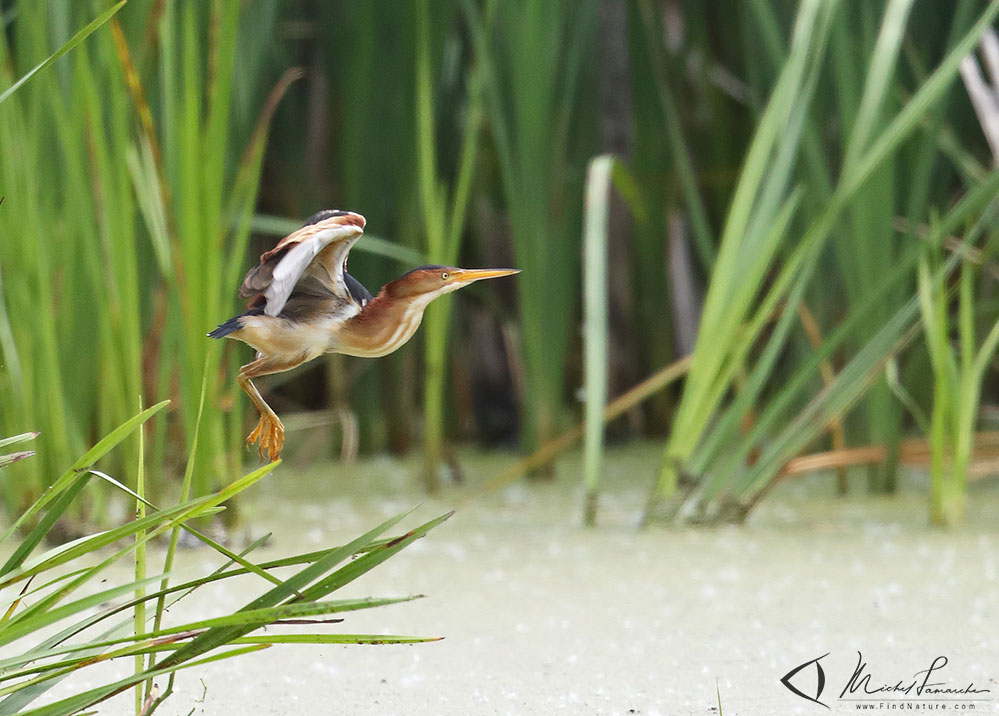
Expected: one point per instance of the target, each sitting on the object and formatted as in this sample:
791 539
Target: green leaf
103 446
73 42
73 704
374 639
218 636
13 457
23 437
36 535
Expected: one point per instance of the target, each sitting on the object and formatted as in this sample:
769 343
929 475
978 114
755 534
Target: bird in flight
303 303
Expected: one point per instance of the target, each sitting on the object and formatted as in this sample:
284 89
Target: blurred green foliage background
800 189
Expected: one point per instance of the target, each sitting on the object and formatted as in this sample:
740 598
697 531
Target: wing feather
316 253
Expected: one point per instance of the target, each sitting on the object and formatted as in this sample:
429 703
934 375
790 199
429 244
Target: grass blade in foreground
196 642
83 638
6 460
67 479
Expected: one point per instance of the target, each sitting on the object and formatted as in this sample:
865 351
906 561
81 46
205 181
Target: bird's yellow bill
465 275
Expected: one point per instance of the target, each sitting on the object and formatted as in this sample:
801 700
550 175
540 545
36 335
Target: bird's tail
233 324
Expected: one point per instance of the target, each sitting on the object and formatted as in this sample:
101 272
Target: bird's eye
444 276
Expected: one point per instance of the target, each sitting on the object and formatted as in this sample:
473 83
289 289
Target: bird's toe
265 441
277 440
269 436
255 434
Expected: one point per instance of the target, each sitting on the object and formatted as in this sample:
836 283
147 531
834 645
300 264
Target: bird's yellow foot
269 434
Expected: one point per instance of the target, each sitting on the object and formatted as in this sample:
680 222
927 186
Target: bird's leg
269 432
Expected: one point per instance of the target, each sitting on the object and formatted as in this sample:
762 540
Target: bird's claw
269 434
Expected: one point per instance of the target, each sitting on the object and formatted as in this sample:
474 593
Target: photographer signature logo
820 680
864 686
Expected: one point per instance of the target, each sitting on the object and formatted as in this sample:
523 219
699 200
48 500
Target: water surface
542 616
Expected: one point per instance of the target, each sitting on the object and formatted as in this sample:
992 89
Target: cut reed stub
6 460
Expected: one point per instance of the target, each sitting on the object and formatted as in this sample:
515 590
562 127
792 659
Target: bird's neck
383 325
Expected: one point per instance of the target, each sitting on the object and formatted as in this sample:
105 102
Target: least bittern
303 303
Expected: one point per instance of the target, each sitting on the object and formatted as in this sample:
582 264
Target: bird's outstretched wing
313 258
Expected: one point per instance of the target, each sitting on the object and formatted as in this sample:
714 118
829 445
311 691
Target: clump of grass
736 306
850 384
743 298
61 587
958 375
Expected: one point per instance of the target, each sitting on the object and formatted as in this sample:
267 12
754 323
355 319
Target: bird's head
428 282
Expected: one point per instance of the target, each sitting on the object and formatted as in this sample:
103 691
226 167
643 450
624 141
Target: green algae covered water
543 616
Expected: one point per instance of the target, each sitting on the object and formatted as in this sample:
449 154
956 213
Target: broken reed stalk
913 453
